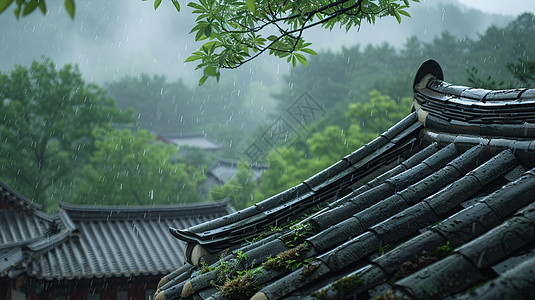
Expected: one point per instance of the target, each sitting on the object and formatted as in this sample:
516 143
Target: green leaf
42 6
199 35
209 47
203 80
301 58
196 6
157 3
176 4
398 17
5 4
208 30
31 6
272 38
193 58
69 6
250 5
309 51
404 13
210 70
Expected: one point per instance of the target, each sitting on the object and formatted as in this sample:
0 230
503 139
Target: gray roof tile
97 242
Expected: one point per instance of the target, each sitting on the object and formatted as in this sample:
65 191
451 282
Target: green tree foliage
524 71
237 32
380 113
221 111
287 167
483 82
158 105
234 32
47 116
240 189
290 166
134 169
336 80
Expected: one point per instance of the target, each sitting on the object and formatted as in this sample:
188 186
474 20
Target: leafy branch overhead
235 32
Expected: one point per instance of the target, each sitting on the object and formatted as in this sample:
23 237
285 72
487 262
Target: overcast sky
510 7
109 41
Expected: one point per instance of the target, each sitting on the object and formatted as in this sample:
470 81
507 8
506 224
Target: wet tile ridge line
387 188
400 126
198 239
361 221
428 151
403 166
490 114
477 94
413 193
317 196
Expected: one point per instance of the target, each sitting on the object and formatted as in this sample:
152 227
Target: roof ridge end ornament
428 70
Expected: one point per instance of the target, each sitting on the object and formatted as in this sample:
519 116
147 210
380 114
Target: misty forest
69 135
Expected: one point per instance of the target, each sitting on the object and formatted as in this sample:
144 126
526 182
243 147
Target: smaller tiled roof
12 198
191 140
95 242
225 170
22 223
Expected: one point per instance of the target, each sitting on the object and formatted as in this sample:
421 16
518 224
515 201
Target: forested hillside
339 78
365 90
65 140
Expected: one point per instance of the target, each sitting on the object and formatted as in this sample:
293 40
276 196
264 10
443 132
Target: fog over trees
86 133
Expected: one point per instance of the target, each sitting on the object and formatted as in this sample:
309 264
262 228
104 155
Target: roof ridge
23 200
461 109
85 212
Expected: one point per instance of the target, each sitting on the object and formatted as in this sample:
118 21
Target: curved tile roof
96 242
22 223
440 205
191 140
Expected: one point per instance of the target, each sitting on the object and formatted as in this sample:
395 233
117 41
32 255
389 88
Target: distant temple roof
440 205
94 242
191 140
225 170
